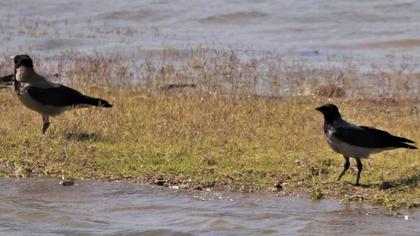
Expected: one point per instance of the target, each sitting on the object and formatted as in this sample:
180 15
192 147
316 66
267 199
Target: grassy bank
217 135
196 140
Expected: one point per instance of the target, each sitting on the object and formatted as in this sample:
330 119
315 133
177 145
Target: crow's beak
319 109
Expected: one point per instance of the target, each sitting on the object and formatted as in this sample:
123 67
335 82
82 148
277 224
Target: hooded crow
357 141
45 97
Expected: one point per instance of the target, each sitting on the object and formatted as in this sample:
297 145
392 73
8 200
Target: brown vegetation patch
330 91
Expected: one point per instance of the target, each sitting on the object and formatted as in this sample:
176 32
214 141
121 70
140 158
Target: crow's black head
23 60
330 112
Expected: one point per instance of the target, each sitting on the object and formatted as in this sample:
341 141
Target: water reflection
43 206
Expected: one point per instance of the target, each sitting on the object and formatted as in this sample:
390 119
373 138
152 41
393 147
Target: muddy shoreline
345 192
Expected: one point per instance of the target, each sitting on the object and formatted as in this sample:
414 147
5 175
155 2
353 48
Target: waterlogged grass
202 140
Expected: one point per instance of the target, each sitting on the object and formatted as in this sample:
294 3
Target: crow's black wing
384 133
56 96
363 136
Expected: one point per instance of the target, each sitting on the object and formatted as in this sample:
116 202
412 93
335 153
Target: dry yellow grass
218 135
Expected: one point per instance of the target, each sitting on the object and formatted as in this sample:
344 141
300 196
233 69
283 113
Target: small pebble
199 188
67 182
406 217
279 186
385 185
159 182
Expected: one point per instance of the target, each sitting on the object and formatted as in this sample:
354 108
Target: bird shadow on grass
82 136
410 181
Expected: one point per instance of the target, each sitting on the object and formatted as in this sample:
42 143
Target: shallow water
373 31
42 206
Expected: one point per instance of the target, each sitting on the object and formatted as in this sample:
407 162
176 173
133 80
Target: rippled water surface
43 207
377 31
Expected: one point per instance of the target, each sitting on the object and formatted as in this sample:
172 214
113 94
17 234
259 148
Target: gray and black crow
357 141
45 97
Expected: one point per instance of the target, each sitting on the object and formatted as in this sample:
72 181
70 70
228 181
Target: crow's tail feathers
404 145
403 142
96 102
7 79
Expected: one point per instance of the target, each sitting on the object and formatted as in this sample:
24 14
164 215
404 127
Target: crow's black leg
359 170
46 121
346 166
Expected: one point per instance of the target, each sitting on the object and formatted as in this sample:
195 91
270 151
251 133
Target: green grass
198 140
